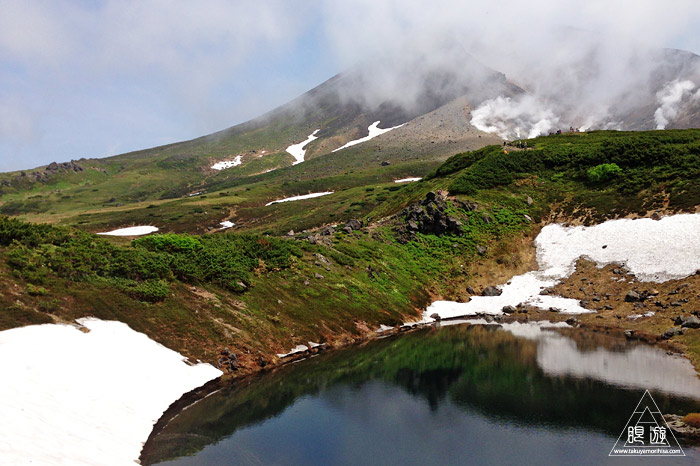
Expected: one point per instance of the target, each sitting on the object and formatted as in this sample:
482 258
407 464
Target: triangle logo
646 433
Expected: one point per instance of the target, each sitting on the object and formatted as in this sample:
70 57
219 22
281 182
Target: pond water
464 394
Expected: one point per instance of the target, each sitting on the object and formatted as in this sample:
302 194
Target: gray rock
573 321
470 290
487 219
529 201
319 276
347 230
509 309
353 224
322 259
632 296
435 316
328 231
691 322
290 233
491 291
672 332
481 250
629 334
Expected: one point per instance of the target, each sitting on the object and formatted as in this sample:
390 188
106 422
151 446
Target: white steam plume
526 117
670 99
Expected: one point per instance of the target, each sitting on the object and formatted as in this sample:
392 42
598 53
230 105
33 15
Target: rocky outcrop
352 225
433 215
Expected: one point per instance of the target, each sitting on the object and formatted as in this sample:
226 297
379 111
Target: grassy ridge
260 294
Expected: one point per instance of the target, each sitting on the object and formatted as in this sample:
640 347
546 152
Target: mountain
437 104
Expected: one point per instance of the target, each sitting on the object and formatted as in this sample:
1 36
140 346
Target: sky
95 78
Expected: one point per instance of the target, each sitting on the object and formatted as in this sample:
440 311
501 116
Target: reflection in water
627 365
457 395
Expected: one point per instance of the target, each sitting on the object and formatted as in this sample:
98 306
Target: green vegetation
603 172
144 269
258 292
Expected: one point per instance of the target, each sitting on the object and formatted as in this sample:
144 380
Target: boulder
691 322
632 296
435 316
354 224
322 259
491 291
672 332
508 309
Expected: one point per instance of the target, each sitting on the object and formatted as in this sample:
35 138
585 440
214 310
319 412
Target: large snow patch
652 250
299 198
131 231
298 151
228 163
373 131
75 398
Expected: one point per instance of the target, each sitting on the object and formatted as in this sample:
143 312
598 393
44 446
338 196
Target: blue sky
97 78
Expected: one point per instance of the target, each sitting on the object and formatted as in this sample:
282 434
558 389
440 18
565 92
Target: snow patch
295 350
226 224
297 150
384 328
408 180
69 397
131 231
653 250
299 198
638 316
373 131
228 163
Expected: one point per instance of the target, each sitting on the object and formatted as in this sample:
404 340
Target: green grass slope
258 293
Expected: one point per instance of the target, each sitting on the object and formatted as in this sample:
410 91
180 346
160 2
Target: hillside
431 104
258 291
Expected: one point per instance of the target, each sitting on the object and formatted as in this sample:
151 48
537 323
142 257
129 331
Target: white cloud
193 56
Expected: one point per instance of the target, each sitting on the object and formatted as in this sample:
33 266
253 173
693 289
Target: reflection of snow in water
299 198
652 250
636 366
297 150
373 131
69 397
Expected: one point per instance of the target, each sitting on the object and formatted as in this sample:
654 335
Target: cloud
207 65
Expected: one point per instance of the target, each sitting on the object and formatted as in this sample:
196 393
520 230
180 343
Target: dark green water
456 395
